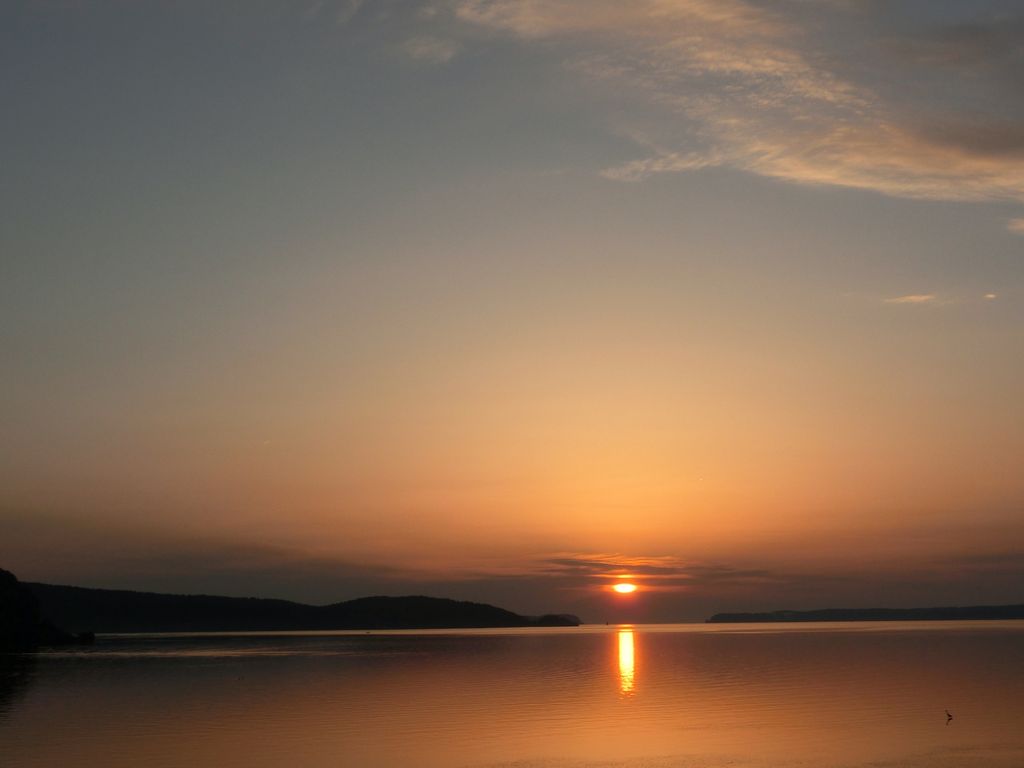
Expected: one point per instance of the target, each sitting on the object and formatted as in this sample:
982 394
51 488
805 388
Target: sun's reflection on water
627 661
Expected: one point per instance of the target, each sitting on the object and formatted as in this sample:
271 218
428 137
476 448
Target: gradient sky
498 299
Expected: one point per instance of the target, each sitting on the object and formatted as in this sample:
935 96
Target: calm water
653 696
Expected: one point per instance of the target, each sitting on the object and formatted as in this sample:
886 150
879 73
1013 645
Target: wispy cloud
666 162
1016 226
346 10
662 572
431 49
741 85
913 298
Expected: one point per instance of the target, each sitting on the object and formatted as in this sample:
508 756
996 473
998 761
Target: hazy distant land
962 613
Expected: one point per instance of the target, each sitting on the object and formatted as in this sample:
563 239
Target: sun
624 588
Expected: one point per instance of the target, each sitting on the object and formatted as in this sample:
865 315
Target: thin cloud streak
913 298
663 573
667 162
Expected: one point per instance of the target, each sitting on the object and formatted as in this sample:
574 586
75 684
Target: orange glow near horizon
461 369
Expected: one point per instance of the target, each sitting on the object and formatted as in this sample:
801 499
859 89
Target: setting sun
624 589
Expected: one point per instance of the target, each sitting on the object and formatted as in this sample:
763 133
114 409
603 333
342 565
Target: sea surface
652 696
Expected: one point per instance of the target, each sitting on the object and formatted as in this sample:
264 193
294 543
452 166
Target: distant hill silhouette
108 610
22 626
975 612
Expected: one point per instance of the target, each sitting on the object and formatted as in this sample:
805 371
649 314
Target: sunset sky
500 299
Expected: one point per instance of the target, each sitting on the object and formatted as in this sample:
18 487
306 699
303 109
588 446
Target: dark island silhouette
22 626
80 609
961 613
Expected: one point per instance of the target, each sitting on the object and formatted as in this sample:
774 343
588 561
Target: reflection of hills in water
16 672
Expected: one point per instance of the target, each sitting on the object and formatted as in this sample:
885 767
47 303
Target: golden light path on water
627 661
715 695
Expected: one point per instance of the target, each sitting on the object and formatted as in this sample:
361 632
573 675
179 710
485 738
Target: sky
503 300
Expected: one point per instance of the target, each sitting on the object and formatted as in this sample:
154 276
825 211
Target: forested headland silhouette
80 609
